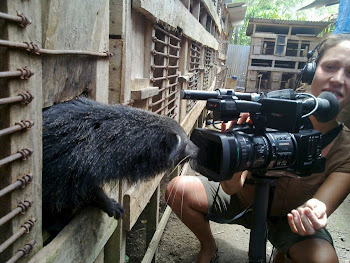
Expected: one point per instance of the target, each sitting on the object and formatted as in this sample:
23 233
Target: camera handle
264 189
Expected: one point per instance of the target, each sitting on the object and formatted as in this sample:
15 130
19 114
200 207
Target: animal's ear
176 148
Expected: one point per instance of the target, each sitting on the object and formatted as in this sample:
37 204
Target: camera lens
223 154
255 151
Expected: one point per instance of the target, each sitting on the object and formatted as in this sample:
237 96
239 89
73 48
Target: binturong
87 144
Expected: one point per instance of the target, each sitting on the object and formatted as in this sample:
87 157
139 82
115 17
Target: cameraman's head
333 68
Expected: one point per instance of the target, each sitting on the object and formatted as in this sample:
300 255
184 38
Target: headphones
308 72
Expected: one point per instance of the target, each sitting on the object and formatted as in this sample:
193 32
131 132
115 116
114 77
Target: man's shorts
227 207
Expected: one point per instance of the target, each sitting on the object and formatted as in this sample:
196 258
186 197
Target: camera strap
228 221
331 135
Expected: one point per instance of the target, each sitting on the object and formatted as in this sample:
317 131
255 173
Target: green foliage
280 9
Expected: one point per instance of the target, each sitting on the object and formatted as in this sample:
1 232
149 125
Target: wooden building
278 51
135 52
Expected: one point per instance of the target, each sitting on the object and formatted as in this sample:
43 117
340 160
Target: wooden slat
136 199
64 28
81 240
156 237
145 93
176 16
191 118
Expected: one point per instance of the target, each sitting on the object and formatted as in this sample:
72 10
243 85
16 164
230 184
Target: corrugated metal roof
319 3
277 26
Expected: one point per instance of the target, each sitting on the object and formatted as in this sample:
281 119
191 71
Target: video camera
277 139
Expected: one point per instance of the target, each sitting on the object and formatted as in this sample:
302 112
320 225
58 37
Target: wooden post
152 212
116 245
12 59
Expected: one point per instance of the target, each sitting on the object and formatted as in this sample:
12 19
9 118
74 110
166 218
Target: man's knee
186 190
313 250
175 190
169 188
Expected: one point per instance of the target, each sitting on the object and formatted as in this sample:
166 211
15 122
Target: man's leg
187 197
316 248
313 250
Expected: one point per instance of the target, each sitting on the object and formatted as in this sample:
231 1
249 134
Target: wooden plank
100 258
152 216
144 93
183 70
81 240
284 58
256 50
116 246
286 70
67 77
139 83
186 77
175 15
100 89
74 25
64 27
191 118
117 8
136 199
115 71
156 237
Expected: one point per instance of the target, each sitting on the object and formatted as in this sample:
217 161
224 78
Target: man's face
333 73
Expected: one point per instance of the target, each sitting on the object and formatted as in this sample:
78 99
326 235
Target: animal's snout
191 150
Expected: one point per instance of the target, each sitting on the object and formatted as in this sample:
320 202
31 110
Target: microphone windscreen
329 110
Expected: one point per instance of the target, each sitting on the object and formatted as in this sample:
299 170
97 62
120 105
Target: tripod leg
258 233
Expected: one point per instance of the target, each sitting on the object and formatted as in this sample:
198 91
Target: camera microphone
327 108
218 93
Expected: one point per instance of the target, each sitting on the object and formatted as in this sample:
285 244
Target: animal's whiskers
193 180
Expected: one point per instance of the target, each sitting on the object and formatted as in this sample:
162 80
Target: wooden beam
144 93
136 198
81 240
157 236
191 118
175 15
282 58
286 70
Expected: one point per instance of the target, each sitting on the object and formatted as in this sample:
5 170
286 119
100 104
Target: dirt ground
179 245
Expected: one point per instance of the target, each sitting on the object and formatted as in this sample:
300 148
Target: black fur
87 144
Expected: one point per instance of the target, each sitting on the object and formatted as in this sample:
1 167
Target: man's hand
236 183
308 218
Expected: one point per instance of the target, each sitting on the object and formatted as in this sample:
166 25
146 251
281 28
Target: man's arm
312 216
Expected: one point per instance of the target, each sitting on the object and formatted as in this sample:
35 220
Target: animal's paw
114 209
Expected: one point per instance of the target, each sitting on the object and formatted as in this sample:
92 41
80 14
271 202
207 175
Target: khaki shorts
227 207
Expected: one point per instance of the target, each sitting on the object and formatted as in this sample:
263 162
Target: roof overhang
306 28
237 13
320 3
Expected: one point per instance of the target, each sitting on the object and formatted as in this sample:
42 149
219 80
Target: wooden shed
134 52
278 51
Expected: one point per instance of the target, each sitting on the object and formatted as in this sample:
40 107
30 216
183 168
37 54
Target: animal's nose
191 149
